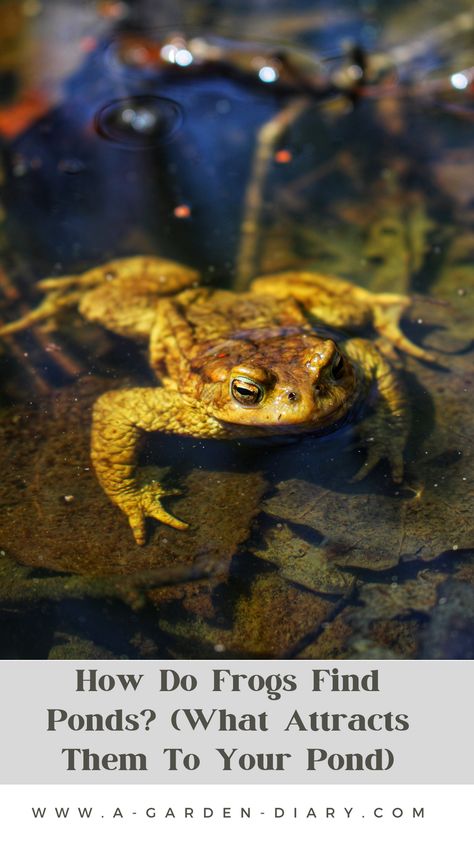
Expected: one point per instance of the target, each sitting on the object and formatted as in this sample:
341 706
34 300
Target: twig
267 138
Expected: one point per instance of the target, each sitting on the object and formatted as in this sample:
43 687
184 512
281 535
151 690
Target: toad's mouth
317 423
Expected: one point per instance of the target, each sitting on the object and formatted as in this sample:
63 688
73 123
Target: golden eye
337 368
246 391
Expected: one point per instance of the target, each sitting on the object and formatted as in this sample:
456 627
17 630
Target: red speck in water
224 354
139 52
283 156
182 212
112 10
15 118
88 44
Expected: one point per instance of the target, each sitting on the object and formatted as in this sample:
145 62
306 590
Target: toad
285 357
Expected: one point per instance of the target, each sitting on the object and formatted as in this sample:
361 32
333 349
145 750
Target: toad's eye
246 391
337 368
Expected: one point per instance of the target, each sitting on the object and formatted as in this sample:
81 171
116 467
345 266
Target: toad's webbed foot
387 310
381 441
144 501
384 431
52 304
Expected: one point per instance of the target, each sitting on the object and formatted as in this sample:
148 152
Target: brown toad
234 365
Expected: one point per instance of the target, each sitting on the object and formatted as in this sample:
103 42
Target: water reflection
139 122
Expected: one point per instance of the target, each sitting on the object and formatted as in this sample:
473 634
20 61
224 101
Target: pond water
239 142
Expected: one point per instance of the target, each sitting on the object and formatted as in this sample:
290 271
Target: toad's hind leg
121 294
128 290
329 299
344 305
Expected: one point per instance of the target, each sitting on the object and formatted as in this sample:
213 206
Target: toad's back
218 314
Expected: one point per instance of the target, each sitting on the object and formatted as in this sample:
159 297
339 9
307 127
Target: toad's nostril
292 396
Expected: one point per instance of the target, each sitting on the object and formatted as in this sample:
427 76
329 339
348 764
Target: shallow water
285 557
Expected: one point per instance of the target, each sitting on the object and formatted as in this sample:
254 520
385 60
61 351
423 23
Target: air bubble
139 122
268 74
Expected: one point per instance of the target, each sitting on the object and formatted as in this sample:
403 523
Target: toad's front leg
385 431
120 420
